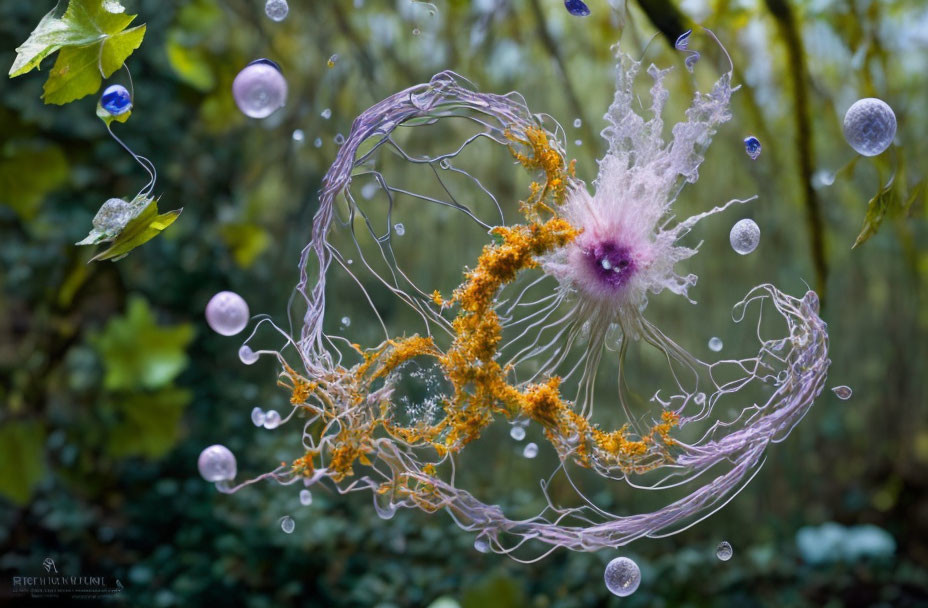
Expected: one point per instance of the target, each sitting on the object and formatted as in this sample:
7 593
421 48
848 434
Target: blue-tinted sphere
576 8
116 100
752 147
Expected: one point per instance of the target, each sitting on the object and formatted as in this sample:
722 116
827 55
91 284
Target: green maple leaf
93 42
138 353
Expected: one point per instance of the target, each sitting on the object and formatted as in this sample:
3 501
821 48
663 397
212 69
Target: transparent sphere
271 419
259 89
227 313
843 392
217 463
116 100
247 355
530 450
482 546
257 416
113 216
517 432
287 524
744 236
869 126
306 497
724 551
715 344
622 576
276 10
400 229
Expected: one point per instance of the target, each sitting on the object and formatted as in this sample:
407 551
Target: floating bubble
271 419
517 432
326 114
744 236
724 551
482 546
530 450
217 463
247 355
116 100
287 524
715 345
869 126
700 397
318 142
578 142
369 189
227 313
332 61
298 135
306 497
577 123
400 229
257 416
622 576
752 147
577 8
339 139
843 392
346 321
416 31
260 89
276 10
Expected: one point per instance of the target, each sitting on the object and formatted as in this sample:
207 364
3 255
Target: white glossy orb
530 450
724 551
259 89
744 236
276 10
622 576
869 126
227 313
217 463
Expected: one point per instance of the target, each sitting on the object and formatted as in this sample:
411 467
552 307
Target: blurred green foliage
111 382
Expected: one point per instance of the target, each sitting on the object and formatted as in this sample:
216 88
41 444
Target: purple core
611 263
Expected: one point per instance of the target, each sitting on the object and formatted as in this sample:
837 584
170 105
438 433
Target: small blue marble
116 100
752 147
577 8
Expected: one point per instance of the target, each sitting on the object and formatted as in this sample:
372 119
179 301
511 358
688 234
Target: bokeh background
111 382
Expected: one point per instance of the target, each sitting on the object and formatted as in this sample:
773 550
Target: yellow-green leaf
93 42
140 229
884 200
28 172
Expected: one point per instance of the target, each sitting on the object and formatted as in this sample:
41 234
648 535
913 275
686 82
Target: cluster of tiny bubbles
332 61
276 10
326 114
752 147
622 576
318 142
306 497
271 419
843 392
227 313
298 136
724 551
744 236
260 89
577 8
217 463
247 355
346 321
869 126
715 344
116 100
287 524
481 545
399 228
517 432
257 416
113 215
530 450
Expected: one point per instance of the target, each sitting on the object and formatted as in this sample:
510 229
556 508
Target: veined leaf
109 118
884 200
93 42
140 229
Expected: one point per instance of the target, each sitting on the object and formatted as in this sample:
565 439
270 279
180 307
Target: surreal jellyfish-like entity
537 327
